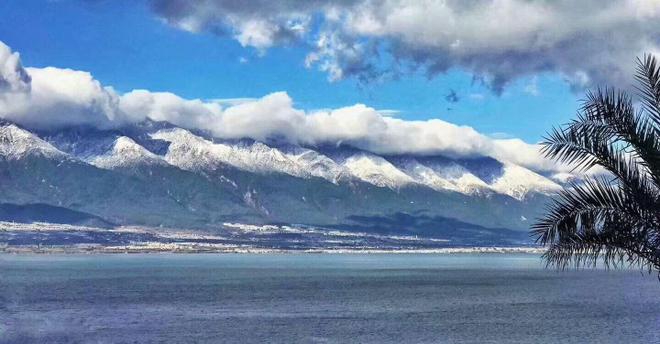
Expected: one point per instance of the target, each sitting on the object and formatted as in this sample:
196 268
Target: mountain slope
126 153
60 179
29 213
159 175
17 143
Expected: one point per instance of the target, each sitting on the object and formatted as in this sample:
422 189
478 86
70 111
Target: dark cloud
590 42
452 97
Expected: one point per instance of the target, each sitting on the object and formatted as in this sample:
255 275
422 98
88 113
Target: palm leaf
615 217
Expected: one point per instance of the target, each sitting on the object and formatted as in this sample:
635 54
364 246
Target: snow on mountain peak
447 175
16 143
192 152
450 176
377 170
126 152
517 182
258 157
318 164
189 151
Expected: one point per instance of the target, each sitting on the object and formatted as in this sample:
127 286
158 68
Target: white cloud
164 106
13 77
46 97
70 97
52 97
272 116
588 42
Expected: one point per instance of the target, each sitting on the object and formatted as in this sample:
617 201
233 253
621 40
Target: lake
320 298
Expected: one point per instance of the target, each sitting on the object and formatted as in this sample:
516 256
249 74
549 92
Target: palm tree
614 215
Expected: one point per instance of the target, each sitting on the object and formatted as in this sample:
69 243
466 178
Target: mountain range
160 175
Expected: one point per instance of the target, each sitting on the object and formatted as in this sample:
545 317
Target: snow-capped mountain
191 152
185 178
445 175
317 164
17 143
125 153
517 181
376 170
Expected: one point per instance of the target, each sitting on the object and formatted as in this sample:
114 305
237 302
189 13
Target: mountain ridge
182 178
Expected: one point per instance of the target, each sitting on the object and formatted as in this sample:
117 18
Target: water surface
324 298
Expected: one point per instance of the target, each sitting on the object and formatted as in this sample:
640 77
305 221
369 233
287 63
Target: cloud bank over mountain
46 98
588 42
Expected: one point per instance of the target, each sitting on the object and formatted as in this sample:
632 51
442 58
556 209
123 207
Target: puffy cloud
267 118
52 97
274 117
15 82
69 97
13 77
165 106
588 42
259 24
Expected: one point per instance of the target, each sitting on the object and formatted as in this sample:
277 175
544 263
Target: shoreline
49 238
157 248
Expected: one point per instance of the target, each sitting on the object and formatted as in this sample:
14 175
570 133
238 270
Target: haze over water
284 298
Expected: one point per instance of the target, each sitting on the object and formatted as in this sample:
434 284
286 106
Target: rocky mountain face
156 174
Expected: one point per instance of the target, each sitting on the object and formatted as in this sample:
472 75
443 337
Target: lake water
324 298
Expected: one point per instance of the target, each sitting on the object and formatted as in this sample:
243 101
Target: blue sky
126 45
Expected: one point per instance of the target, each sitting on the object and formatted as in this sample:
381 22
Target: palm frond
581 208
597 220
616 217
585 144
648 78
632 131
